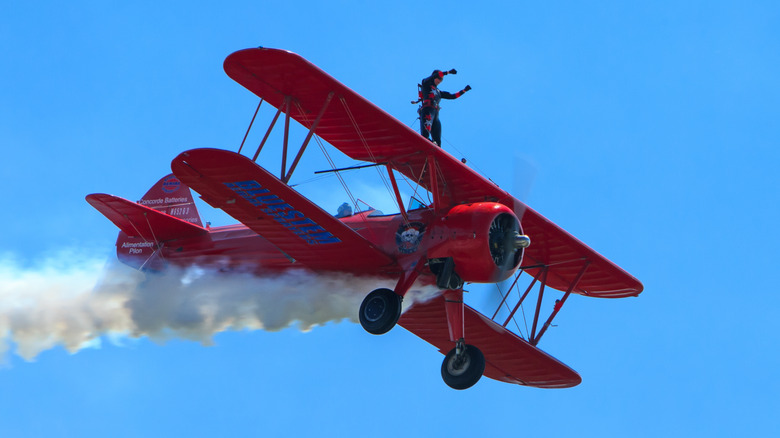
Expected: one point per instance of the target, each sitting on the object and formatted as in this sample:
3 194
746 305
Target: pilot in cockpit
344 210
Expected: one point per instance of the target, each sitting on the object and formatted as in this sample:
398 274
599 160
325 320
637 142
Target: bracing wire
312 179
317 139
370 152
519 331
333 165
471 163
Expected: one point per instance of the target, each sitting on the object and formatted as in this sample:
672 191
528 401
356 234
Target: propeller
504 232
524 173
505 240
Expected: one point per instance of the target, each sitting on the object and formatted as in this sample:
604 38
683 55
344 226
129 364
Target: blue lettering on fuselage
282 212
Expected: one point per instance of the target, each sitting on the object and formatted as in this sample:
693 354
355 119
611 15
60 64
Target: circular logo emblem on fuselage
409 236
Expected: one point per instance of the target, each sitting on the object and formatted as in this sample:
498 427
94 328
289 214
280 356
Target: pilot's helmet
344 210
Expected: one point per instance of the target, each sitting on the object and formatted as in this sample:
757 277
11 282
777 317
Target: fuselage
236 247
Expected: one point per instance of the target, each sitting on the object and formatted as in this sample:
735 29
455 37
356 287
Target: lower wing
508 357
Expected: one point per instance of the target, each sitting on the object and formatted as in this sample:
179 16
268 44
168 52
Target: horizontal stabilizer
271 208
136 220
508 357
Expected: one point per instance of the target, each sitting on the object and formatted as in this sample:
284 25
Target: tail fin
172 197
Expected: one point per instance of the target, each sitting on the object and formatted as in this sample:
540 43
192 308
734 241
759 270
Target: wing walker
467 231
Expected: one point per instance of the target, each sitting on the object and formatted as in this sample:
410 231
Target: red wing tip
259 49
93 198
562 383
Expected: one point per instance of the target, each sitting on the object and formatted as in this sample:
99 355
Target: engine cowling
484 239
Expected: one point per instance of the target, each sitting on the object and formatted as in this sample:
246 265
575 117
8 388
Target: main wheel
464 371
380 311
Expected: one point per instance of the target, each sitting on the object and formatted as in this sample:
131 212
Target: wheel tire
468 373
380 311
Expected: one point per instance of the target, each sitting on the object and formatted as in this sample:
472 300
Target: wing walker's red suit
430 95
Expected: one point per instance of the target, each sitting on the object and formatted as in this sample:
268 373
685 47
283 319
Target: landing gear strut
463 366
380 311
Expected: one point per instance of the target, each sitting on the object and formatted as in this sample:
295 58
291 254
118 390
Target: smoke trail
75 301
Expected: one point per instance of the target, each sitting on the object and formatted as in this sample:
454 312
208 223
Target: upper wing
508 357
262 202
363 131
351 123
140 221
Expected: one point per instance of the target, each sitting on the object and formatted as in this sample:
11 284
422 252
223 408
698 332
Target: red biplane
471 231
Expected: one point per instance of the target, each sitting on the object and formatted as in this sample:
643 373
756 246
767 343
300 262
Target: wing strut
559 304
250 126
397 193
540 277
308 137
287 100
436 190
538 306
267 133
285 107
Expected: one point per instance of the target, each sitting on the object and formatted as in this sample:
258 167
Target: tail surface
172 197
166 212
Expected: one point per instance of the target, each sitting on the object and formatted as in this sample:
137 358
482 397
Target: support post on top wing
314 125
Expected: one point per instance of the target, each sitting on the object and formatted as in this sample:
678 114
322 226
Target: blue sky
651 129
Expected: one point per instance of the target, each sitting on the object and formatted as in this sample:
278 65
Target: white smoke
74 302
